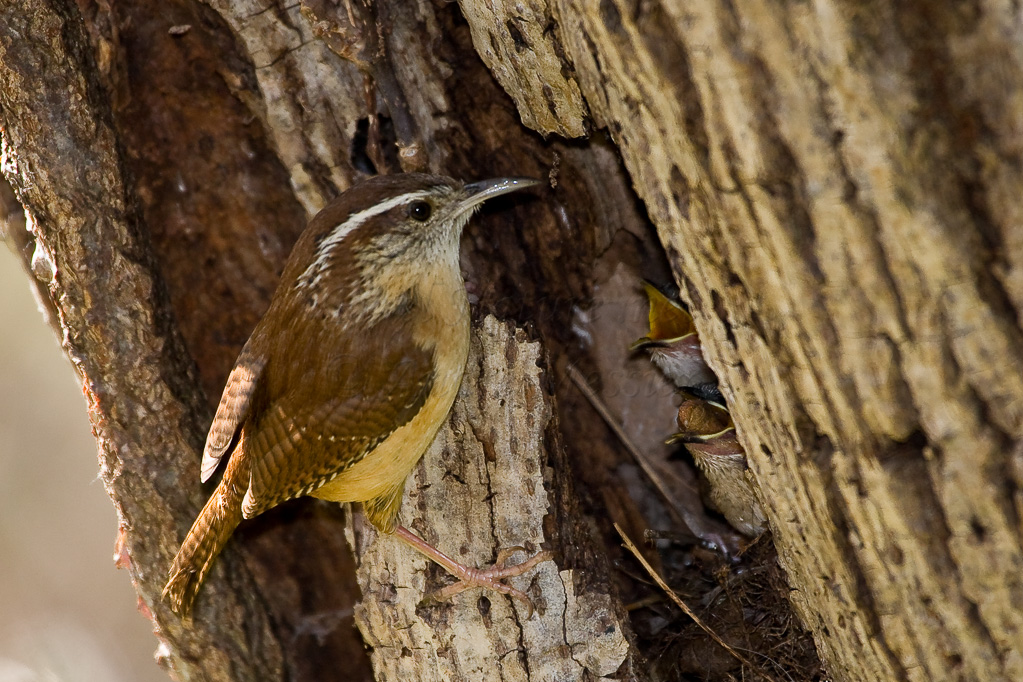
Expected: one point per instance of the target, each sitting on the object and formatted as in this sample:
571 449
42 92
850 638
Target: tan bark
838 186
491 480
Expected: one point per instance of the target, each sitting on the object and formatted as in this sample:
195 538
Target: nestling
708 432
672 341
346 380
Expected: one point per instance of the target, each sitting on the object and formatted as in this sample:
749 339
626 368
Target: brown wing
234 406
334 414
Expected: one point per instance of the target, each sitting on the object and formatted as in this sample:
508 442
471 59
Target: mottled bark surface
495 477
94 261
167 155
836 186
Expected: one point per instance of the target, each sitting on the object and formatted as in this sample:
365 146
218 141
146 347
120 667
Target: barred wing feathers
233 409
299 443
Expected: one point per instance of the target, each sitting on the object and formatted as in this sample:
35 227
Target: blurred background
66 614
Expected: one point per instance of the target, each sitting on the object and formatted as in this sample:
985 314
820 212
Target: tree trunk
835 186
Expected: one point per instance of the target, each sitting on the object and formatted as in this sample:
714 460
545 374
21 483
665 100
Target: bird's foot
489 578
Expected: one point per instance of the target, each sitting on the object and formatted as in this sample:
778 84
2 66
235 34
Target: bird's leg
489 578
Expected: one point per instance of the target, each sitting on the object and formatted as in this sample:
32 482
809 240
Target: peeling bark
493 479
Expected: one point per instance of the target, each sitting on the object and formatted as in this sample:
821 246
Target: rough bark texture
164 153
837 188
837 185
495 477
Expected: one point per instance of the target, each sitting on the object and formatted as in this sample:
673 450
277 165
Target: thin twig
629 545
645 463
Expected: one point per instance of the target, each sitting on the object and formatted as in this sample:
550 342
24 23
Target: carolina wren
346 380
672 341
708 432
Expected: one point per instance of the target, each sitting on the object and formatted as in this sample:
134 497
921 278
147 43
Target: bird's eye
420 210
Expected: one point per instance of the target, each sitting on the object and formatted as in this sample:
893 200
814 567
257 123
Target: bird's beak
690 437
476 193
676 438
645 342
701 421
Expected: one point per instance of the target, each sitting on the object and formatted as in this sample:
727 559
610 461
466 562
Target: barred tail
209 534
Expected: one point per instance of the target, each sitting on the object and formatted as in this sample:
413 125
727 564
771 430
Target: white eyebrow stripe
338 234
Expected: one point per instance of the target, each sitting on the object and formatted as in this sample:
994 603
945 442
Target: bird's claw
490 578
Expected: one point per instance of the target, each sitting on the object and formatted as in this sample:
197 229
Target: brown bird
672 341
346 380
708 432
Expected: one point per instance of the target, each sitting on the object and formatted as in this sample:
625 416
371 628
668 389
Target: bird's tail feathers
207 537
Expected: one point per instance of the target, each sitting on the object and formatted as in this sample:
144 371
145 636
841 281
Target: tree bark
166 155
92 259
835 185
495 477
